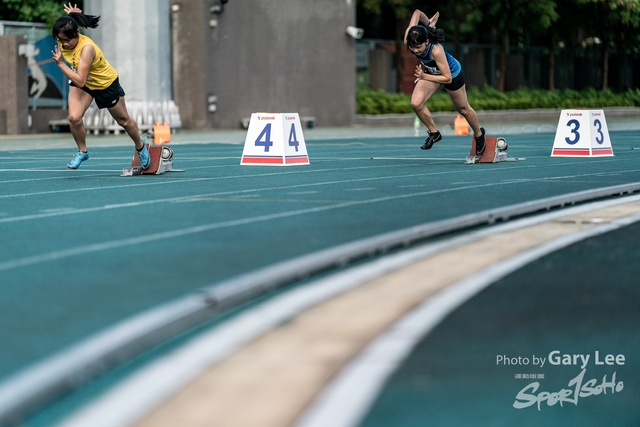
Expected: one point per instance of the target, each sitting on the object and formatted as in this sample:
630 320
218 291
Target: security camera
355 32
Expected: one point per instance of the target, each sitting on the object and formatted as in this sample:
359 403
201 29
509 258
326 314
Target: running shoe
78 158
431 139
480 143
143 155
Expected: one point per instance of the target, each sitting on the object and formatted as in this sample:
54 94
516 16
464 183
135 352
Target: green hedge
379 102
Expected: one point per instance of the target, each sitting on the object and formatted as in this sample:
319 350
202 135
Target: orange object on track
460 126
161 133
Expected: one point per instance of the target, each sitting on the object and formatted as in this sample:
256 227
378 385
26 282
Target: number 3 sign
582 133
274 139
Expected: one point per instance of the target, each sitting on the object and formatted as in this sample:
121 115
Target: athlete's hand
418 73
434 19
57 54
69 9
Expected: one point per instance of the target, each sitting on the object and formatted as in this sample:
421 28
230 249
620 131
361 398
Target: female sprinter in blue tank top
437 68
90 77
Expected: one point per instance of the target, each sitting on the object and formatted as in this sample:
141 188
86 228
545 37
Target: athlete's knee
417 105
125 121
75 119
465 110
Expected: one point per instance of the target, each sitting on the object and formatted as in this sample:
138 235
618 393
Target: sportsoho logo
577 387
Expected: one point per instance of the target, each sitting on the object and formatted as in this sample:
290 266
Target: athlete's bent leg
121 115
460 101
459 98
79 102
421 94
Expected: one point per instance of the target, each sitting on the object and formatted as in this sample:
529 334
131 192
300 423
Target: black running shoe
432 139
480 143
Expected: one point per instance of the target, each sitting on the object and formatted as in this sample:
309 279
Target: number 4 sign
582 133
274 139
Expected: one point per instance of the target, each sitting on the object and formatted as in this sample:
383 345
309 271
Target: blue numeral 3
598 125
574 131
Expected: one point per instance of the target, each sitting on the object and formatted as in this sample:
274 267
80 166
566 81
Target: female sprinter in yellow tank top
90 77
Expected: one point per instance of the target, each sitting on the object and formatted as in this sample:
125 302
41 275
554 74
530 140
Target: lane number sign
582 133
275 139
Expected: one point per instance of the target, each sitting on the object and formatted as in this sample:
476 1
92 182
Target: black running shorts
456 83
105 98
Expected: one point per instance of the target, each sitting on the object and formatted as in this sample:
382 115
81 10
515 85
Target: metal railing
145 113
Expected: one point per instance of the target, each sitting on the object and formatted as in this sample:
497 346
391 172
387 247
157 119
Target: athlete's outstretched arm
433 20
72 9
419 17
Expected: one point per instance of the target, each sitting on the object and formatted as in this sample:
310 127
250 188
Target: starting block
161 162
495 151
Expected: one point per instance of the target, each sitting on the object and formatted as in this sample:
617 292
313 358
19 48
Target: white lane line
66 171
50 178
114 244
187 180
185 198
191 198
197 196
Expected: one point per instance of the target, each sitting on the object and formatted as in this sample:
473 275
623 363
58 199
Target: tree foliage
487 98
46 11
591 25
603 21
514 17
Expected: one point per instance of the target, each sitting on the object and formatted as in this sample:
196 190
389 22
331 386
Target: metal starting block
495 151
161 162
471 160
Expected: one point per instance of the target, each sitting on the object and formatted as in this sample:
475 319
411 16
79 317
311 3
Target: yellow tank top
101 73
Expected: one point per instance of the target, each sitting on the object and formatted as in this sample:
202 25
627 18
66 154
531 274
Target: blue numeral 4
264 139
293 139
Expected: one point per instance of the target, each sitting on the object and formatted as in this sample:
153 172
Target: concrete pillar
14 101
514 78
474 70
380 65
135 38
190 34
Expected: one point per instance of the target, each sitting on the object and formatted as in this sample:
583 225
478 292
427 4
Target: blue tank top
430 67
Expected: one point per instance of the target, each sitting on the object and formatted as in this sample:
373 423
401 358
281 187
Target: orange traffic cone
460 126
161 133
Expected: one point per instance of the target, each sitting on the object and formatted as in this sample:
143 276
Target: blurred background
218 61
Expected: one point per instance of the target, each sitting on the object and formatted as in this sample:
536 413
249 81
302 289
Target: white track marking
114 244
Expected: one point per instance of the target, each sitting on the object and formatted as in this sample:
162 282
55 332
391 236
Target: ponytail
436 36
70 25
85 21
420 34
